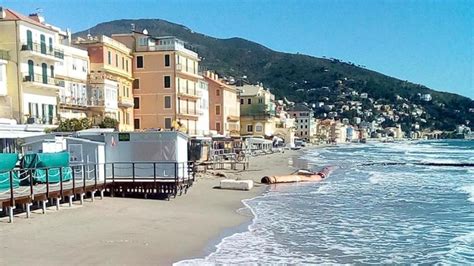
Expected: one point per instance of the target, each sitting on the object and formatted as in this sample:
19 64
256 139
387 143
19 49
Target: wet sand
138 231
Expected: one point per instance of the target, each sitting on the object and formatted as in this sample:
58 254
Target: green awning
7 163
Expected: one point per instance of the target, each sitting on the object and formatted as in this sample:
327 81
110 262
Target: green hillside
304 78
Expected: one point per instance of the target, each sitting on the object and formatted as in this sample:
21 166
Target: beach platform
142 179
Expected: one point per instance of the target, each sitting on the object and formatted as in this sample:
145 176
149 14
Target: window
249 128
52 71
50 45
139 61
136 84
167 60
116 60
143 41
218 110
126 65
218 126
43 44
123 63
249 101
127 118
136 123
218 93
260 100
44 67
168 123
167 81
258 128
109 57
29 40
136 103
31 70
241 101
167 102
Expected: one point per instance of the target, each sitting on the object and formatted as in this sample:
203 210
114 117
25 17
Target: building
224 111
72 74
110 80
30 53
166 82
203 121
257 111
338 132
305 123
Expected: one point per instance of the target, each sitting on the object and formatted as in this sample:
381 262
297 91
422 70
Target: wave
469 189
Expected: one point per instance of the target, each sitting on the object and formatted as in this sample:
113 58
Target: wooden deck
92 178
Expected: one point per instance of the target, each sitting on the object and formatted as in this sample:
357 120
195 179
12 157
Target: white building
72 72
305 123
202 125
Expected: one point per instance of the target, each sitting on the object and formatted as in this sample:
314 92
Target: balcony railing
260 110
125 101
68 100
43 49
46 120
43 79
4 55
188 92
182 68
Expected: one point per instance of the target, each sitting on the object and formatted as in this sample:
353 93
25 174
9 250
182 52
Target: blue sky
425 41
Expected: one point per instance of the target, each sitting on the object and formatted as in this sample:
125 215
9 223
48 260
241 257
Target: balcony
42 82
233 118
188 115
43 51
189 72
188 94
47 120
73 102
125 102
257 111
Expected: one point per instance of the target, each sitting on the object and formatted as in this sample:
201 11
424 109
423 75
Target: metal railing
42 79
43 49
50 182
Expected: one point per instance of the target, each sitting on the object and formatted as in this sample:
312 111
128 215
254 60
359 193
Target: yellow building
110 80
30 53
257 111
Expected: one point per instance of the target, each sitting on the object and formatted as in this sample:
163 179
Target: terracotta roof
13 15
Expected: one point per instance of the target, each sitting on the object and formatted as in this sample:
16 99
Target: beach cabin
162 154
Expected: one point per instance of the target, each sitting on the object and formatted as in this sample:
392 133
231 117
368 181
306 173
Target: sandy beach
138 231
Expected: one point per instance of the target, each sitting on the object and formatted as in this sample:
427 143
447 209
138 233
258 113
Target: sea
382 205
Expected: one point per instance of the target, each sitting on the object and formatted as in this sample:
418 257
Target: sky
430 42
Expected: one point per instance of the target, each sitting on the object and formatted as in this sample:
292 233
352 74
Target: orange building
224 107
110 80
166 82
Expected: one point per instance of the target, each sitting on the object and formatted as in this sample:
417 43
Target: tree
109 122
74 124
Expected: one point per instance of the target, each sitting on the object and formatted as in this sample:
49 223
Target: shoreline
143 231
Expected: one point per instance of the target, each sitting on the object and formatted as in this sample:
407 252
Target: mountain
304 78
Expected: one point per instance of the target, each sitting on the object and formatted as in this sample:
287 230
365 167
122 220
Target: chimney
2 13
37 17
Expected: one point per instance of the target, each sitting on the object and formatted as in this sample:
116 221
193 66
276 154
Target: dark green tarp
55 162
7 163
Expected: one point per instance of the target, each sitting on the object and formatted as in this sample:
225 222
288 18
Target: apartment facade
224 111
110 80
31 53
257 111
305 124
72 74
166 82
203 108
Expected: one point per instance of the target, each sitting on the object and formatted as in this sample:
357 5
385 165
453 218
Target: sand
137 231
